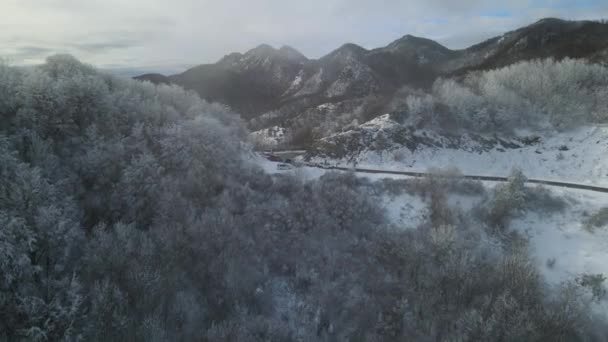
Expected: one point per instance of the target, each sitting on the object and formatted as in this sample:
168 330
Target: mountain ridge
270 86
549 21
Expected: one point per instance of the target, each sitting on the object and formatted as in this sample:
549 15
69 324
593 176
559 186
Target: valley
401 191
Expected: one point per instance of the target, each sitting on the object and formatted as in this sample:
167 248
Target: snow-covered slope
268 137
406 210
560 245
579 156
562 236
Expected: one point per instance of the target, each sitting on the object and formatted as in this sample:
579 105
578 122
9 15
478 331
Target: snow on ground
269 137
464 202
584 161
406 211
295 84
563 237
381 122
312 85
270 167
559 235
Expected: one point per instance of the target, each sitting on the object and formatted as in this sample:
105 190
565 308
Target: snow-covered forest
133 212
540 94
562 94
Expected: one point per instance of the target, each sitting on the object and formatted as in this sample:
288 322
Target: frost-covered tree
129 212
39 243
507 200
528 94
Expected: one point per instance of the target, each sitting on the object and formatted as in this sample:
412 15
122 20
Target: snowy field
562 236
560 245
268 137
579 156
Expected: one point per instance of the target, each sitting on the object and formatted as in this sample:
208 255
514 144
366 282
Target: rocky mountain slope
547 38
281 87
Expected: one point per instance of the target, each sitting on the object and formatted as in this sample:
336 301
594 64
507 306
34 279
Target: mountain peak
285 52
412 42
549 20
155 78
348 49
555 25
267 79
231 58
291 53
352 46
262 49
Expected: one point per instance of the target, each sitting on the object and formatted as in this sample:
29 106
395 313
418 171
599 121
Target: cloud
157 33
29 51
103 46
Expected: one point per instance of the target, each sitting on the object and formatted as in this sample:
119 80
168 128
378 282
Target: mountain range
282 87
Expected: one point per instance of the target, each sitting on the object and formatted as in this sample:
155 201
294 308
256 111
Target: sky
136 36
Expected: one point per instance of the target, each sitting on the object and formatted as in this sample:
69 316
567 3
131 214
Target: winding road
481 178
596 188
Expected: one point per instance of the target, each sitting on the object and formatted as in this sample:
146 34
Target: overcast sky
169 35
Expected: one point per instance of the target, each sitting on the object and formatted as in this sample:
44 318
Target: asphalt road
481 178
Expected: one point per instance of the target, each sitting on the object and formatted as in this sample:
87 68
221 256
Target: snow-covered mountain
267 80
547 38
312 99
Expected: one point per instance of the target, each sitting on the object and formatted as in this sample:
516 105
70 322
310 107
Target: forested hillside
131 212
311 99
534 115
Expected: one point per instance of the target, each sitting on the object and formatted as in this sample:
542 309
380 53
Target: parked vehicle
283 167
324 165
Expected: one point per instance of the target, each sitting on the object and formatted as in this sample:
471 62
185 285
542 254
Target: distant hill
271 86
549 37
154 78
